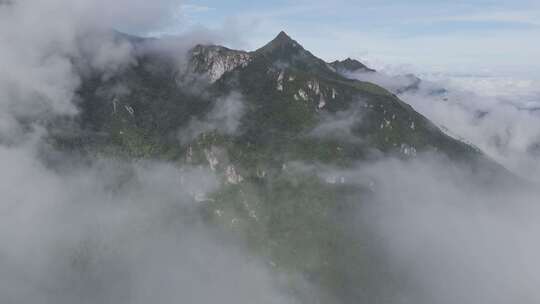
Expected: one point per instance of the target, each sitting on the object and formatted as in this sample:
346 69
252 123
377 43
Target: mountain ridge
283 72
350 65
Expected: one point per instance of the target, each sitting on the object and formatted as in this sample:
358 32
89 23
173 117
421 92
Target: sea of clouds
499 115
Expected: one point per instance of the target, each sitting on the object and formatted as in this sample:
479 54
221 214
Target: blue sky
474 36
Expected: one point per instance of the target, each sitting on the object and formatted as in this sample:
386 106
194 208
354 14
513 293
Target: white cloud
114 232
449 237
441 232
530 17
224 118
194 8
497 115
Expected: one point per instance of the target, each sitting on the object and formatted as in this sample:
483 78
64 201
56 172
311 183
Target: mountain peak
282 36
282 42
350 65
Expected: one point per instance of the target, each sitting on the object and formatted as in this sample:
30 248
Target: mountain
288 93
350 66
254 118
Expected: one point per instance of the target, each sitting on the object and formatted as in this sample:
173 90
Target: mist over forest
169 168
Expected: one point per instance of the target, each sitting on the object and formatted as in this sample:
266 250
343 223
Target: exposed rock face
232 176
214 61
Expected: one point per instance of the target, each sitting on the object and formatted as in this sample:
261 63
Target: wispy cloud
194 8
521 17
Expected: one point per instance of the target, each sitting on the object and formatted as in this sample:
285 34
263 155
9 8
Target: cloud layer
114 232
498 115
